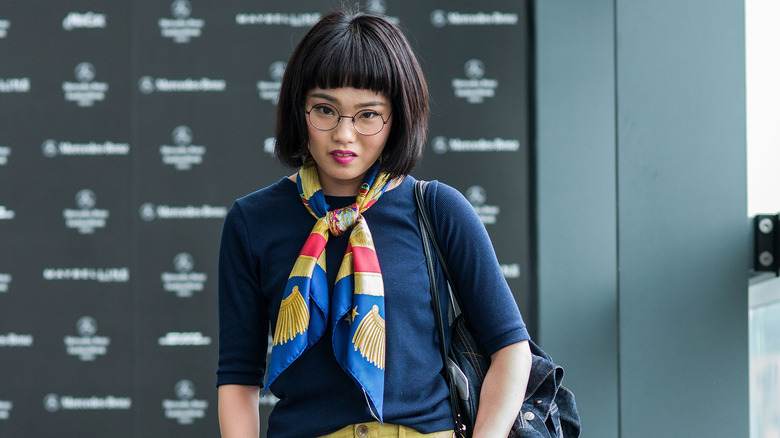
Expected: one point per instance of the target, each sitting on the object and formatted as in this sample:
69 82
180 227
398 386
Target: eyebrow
336 101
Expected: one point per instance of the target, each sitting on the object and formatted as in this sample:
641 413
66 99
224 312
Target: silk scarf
356 306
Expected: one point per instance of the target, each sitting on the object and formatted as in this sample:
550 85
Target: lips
343 157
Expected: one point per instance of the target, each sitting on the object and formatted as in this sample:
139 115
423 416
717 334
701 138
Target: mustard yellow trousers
377 430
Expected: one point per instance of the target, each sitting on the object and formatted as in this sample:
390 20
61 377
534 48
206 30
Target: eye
368 115
324 110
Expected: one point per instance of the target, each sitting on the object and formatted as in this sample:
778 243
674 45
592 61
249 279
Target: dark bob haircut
363 51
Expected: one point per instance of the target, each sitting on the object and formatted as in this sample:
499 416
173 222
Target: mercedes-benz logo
183 262
439 145
182 135
181 9
86 199
185 390
269 145
476 195
49 148
86 326
148 212
51 403
85 72
146 85
438 18
277 70
474 68
376 6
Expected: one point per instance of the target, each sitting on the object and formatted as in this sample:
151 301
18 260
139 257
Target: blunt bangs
356 57
352 49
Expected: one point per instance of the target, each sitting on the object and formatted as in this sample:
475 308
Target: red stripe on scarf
313 246
369 204
365 260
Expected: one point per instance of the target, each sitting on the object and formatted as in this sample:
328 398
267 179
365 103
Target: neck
348 190
339 187
331 190
345 189
352 190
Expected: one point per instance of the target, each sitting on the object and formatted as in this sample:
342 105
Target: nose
344 132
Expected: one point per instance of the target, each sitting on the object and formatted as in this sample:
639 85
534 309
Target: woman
331 259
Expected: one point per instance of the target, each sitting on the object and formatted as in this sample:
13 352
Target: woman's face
342 154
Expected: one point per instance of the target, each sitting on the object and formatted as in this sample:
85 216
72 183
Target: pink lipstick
343 157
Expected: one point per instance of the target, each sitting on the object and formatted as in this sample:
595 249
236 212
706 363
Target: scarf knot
339 221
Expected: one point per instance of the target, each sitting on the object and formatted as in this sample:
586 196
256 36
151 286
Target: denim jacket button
529 416
362 431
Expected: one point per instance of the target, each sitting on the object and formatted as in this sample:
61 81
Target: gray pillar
576 210
641 213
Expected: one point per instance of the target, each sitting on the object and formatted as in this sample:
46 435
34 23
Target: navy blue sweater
262 236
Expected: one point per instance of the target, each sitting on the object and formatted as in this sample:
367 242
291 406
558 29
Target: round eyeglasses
326 117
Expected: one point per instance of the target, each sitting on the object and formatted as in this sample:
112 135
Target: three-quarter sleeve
489 304
243 320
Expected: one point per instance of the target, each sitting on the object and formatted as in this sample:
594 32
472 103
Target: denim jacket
549 409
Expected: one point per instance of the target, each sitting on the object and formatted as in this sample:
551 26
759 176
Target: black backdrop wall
126 131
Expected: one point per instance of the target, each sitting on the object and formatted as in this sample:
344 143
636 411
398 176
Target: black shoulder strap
427 227
428 240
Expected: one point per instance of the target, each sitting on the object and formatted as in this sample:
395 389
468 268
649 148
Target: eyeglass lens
325 117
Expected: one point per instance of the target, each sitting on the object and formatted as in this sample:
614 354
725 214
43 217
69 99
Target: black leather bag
549 409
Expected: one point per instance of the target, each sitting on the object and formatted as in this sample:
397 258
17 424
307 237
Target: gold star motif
352 315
